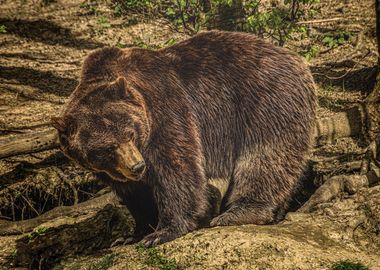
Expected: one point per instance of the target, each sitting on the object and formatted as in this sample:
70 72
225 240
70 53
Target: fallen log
26 226
28 143
344 124
67 231
340 125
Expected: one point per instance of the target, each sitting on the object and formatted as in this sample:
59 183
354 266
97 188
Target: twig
322 20
185 26
347 72
69 183
26 200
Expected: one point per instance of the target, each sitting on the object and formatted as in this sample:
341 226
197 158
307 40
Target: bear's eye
130 135
64 140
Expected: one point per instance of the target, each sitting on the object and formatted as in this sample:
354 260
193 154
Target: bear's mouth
122 175
130 175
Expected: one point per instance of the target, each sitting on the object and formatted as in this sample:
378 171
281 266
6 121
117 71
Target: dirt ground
40 60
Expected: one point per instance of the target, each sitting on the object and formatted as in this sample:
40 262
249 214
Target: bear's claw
225 219
126 241
159 237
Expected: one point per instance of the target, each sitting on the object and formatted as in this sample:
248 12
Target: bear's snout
139 167
131 164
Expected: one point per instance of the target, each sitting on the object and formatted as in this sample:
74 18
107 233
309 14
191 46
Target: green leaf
170 12
3 28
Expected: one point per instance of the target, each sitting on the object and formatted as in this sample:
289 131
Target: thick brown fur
219 105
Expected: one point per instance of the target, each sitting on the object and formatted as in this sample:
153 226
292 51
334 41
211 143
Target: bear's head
104 127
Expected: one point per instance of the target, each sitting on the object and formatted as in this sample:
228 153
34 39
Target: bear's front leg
180 192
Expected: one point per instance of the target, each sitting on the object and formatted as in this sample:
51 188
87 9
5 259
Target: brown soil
40 60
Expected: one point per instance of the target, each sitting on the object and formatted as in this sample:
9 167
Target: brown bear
156 125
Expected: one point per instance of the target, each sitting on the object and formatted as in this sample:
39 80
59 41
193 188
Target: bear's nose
138 167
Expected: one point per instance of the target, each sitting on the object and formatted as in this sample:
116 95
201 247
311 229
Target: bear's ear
58 123
128 92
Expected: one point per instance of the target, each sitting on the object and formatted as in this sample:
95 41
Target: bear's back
244 92
245 82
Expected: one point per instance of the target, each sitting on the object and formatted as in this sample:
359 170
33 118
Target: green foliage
117 9
334 40
190 16
14 253
185 15
3 28
277 23
273 23
90 7
104 22
138 42
311 53
39 231
250 16
121 7
16 194
169 42
135 4
103 264
347 265
154 258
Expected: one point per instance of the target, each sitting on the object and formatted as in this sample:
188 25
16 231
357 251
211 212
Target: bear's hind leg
262 183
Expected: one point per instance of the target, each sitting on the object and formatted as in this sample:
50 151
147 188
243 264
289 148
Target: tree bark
68 231
340 125
28 143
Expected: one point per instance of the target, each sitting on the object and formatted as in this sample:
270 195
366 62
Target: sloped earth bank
344 230
40 58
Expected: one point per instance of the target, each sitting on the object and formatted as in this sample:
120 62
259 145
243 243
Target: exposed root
370 175
37 188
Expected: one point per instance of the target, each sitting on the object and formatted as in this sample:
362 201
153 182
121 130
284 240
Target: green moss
103 264
347 265
154 258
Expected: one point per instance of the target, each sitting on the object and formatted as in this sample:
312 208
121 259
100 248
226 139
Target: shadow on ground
362 79
47 32
45 81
